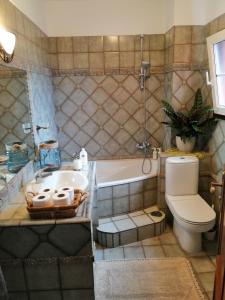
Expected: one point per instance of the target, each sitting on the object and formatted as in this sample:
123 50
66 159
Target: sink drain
156 213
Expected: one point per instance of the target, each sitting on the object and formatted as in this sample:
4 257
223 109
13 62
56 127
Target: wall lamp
7 45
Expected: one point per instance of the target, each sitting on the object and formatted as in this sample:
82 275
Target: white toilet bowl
192 215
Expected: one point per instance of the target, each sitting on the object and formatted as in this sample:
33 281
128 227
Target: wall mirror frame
216 55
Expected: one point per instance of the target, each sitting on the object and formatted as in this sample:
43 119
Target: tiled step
129 228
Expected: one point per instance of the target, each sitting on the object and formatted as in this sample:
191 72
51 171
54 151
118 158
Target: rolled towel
47 190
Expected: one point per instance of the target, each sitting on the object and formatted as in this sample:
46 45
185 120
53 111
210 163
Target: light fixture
7 45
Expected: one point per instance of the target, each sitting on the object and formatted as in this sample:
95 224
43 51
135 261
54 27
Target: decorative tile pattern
105 114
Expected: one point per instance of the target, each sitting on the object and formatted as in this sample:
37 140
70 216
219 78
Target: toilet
191 214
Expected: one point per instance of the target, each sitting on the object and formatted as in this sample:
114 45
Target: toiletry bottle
77 162
84 159
154 153
159 151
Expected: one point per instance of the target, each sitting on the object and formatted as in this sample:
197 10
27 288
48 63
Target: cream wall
34 9
117 17
104 17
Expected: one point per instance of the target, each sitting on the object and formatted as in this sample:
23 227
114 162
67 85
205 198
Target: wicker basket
56 212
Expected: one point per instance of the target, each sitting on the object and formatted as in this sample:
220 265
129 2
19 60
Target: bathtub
120 171
121 187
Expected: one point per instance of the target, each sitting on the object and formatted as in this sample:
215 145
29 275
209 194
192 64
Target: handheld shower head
145 65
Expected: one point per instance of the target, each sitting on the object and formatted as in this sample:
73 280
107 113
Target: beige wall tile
111 43
213 26
182 53
182 35
126 43
126 59
157 58
95 44
64 44
137 42
198 34
65 61
81 61
199 54
96 61
221 22
137 57
52 45
80 44
111 60
157 42
53 61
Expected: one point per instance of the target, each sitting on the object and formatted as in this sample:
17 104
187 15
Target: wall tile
126 43
64 44
111 60
95 44
157 42
81 61
65 61
182 53
80 44
96 61
127 60
111 43
182 35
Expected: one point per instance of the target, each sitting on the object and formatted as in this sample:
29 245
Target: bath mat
147 279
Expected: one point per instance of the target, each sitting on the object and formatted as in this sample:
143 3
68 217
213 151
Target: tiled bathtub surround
105 114
130 228
124 198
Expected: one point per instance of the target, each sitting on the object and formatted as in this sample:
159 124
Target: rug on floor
147 279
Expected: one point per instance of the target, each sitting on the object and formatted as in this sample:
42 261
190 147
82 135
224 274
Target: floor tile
142 220
108 227
105 220
136 213
99 254
202 264
125 224
135 244
120 217
213 259
207 281
151 241
113 253
133 252
167 238
153 251
173 250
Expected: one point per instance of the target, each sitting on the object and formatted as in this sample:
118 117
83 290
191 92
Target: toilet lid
191 208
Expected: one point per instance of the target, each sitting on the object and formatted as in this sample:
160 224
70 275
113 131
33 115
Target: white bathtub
115 172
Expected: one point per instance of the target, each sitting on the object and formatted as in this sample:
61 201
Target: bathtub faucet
144 146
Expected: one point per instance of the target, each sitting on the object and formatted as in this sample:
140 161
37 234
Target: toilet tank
182 175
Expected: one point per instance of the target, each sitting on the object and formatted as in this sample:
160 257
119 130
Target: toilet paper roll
68 189
61 198
47 190
42 200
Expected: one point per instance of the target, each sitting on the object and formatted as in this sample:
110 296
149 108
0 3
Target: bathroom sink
59 179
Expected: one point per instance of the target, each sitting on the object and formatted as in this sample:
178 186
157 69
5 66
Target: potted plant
198 121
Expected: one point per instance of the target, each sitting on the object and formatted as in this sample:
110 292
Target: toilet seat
191 209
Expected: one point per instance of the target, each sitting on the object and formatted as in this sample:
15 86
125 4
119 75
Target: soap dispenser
84 159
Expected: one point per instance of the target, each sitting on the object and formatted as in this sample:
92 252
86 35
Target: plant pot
186 146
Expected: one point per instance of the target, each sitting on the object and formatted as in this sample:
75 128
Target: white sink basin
59 179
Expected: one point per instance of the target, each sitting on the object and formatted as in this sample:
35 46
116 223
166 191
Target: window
216 53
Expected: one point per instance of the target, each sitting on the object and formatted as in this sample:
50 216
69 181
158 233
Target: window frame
211 41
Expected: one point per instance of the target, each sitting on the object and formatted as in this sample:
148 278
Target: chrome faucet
42 173
144 146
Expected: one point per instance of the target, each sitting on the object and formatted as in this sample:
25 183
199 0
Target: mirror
15 118
216 53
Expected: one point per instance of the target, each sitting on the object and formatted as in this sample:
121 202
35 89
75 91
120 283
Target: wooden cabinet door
219 285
